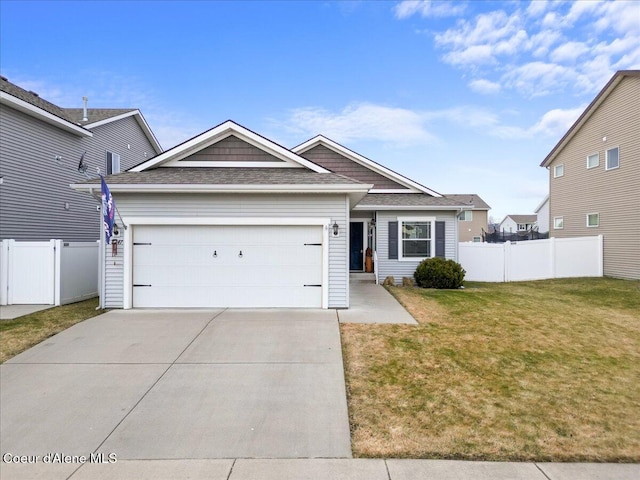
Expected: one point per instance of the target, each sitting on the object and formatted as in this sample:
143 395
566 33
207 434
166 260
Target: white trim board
220 132
365 162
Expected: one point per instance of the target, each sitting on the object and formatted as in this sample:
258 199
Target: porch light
335 229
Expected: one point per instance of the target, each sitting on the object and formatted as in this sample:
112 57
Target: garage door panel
201 266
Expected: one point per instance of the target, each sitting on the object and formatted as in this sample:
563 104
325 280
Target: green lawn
22 333
546 370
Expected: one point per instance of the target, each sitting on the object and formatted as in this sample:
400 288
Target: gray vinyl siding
232 149
398 269
35 187
337 163
614 194
333 207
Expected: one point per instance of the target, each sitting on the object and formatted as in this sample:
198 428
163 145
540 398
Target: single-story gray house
230 218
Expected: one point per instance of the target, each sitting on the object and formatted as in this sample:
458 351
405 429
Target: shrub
439 273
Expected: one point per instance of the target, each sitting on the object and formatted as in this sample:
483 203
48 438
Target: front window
416 238
613 158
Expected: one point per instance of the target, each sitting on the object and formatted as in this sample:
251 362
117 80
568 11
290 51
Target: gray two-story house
41 146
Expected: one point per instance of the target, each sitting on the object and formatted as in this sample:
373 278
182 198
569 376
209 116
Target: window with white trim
523 227
613 158
477 239
558 223
558 171
466 216
593 161
593 219
113 163
416 237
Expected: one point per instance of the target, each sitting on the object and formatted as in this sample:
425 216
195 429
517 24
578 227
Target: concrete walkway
319 469
371 303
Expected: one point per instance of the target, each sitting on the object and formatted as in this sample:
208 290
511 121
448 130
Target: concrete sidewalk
321 469
371 303
9 312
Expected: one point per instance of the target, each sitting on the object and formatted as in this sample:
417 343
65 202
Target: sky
462 97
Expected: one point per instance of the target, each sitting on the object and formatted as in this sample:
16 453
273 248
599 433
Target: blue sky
463 97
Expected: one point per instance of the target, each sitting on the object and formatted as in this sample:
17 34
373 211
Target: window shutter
393 240
440 239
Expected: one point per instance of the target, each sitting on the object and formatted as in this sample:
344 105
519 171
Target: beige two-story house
594 176
472 223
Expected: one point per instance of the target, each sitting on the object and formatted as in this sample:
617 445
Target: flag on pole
108 210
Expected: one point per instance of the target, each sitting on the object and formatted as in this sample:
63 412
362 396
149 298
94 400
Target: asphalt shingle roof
95 114
228 176
524 218
33 99
468 199
406 200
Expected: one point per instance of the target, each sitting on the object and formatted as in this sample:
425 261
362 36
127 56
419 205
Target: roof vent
85 118
33 93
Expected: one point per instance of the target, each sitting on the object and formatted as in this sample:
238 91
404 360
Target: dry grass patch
24 332
540 371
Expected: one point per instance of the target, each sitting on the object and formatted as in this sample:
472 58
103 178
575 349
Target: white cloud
427 8
544 47
568 52
361 121
485 87
552 124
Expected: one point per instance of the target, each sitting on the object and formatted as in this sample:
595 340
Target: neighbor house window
477 239
113 163
593 219
416 238
558 223
466 216
613 158
593 160
523 227
558 171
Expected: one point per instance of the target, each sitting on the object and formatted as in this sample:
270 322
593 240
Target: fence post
4 272
600 255
506 252
57 271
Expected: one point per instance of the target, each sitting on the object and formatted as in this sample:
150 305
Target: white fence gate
48 273
532 259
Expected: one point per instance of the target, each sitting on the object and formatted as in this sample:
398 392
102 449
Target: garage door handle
313 244
140 285
240 254
313 285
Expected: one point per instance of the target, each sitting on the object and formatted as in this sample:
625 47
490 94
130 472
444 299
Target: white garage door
227 266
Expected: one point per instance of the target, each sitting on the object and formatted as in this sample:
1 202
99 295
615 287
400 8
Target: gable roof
370 164
593 106
522 218
103 116
546 199
471 199
175 157
32 104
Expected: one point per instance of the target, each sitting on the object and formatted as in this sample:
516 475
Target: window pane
593 220
416 230
593 160
416 248
613 160
558 171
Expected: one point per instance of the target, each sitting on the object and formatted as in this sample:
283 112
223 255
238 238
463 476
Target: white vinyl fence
48 273
532 259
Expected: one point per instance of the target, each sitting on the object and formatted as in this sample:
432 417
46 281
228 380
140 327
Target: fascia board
141 122
365 162
412 207
192 188
43 115
220 132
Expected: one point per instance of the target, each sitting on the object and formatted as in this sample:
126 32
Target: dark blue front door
355 246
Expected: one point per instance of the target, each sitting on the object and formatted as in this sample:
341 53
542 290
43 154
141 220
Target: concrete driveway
198 384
